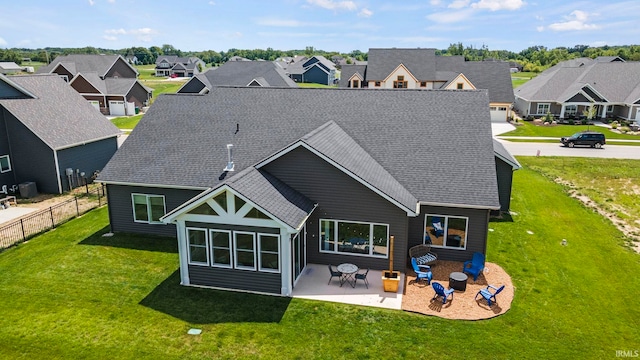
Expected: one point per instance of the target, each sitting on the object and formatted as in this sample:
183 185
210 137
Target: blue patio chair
437 226
441 291
363 277
423 272
488 295
474 266
334 273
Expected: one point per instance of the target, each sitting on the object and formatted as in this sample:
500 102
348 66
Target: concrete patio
313 285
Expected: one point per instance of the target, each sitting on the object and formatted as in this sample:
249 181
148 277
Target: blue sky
331 25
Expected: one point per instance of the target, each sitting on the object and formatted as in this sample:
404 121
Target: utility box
28 189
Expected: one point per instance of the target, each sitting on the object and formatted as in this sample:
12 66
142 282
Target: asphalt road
550 149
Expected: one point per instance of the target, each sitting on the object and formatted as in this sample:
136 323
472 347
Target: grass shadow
132 241
210 306
503 217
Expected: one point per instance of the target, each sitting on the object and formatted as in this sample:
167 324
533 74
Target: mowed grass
313 85
520 78
127 122
71 293
557 131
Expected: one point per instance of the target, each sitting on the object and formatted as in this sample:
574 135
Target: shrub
624 129
614 125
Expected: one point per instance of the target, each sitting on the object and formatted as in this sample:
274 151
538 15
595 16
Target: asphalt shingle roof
420 62
58 115
436 144
348 71
241 73
82 63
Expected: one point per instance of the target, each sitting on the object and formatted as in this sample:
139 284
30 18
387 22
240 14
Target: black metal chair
334 273
363 277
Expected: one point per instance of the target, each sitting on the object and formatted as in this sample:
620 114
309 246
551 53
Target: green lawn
520 78
127 122
529 129
312 85
147 72
71 293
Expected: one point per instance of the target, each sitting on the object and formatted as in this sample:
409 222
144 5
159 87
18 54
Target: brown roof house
108 82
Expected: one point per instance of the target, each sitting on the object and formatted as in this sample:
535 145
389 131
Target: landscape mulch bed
418 296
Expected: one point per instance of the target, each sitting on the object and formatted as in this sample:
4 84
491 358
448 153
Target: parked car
173 76
586 138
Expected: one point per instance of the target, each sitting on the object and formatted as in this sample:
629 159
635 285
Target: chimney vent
229 166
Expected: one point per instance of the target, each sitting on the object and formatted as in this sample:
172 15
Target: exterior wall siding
235 279
505 178
121 211
31 159
476 234
9 92
86 158
138 95
82 86
340 197
193 86
316 75
121 69
8 178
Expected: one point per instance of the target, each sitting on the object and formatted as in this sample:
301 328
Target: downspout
55 159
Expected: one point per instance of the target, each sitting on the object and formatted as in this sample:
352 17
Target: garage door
498 114
95 104
116 108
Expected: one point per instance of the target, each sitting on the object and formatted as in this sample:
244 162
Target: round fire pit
458 281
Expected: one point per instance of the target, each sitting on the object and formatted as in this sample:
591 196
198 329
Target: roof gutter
461 206
88 141
108 182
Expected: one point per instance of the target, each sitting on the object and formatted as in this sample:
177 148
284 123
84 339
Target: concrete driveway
550 149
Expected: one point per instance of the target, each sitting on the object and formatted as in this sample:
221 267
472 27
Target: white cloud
212 3
495 5
365 13
540 28
116 31
577 20
280 22
3 42
334 5
91 2
435 2
459 4
111 1
110 37
449 17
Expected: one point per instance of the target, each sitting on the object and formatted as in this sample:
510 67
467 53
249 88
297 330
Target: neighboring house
132 59
263 181
238 73
316 69
423 69
108 82
506 164
9 68
168 65
571 87
238 58
50 134
515 66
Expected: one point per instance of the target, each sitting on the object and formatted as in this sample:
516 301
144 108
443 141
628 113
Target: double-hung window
5 164
198 249
268 258
543 108
245 250
148 208
220 248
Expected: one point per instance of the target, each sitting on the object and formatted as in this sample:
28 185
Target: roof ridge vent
230 164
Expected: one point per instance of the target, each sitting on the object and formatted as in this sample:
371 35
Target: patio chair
488 295
335 273
474 266
441 291
423 272
437 226
363 277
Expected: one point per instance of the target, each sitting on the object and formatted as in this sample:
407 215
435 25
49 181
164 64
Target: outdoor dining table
347 271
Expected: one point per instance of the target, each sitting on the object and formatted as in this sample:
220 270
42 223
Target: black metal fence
33 224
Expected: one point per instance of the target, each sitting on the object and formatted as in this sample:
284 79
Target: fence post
99 198
24 235
77 208
53 223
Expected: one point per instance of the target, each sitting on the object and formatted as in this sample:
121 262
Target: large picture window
148 208
198 251
446 231
245 250
358 238
5 164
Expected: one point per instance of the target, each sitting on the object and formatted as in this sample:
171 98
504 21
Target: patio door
298 254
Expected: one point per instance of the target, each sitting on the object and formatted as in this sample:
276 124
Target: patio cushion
426 259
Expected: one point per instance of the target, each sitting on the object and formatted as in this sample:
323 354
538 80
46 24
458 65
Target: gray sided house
567 89
316 70
423 69
238 73
257 182
48 128
108 82
167 65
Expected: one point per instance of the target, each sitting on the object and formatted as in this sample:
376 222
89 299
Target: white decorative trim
206 246
235 250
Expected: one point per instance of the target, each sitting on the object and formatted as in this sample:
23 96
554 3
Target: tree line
533 58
